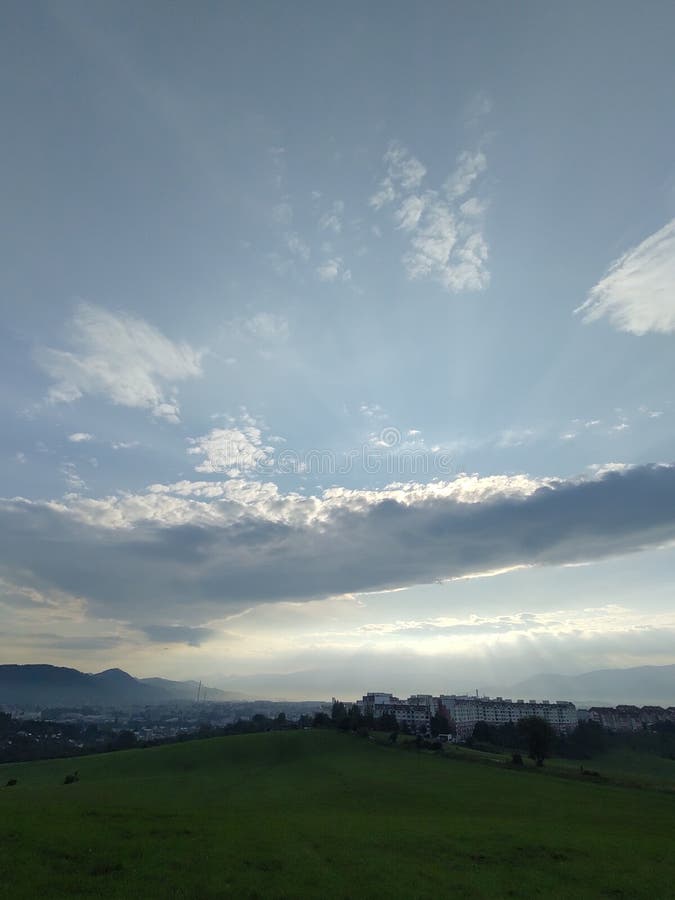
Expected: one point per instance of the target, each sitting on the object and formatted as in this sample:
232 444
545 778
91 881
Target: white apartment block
466 711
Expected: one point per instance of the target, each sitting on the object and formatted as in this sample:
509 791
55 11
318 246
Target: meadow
324 814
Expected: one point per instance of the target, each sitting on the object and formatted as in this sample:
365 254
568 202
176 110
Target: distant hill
42 685
187 690
640 685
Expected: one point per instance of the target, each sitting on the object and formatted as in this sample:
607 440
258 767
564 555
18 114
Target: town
34 732
464 712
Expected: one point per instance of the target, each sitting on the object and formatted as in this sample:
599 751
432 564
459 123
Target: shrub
11 782
71 779
517 759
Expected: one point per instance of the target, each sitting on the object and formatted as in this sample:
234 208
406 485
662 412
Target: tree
482 732
439 724
338 713
321 720
387 722
125 740
539 736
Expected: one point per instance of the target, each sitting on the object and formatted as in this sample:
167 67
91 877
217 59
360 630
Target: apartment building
416 715
466 711
626 717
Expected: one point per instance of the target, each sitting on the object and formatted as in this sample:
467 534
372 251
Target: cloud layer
638 292
189 551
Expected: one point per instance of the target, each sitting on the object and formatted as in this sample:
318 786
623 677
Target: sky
338 341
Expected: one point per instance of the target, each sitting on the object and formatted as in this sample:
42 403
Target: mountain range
43 685
642 685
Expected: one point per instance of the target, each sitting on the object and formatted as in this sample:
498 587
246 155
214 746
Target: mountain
187 690
642 685
42 685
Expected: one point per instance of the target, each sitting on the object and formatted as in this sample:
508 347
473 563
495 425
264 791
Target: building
467 711
416 715
417 711
630 718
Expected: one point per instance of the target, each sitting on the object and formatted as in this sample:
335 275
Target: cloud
409 212
445 228
469 167
264 326
404 173
478 107
193 636
192 552
331 269
73 480
332 220
282 213
232 451
637 294
79 437
297 246
122 358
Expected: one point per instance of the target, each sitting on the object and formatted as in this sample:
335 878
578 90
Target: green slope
319 814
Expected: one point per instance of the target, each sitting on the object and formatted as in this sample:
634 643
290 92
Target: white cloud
20 457
637 294
122 358
447 243
80 437
403 168
469 167
330 269
404 173
72 477
232 451
409 212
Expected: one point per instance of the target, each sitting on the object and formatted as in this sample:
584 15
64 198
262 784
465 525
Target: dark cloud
190 572
194 636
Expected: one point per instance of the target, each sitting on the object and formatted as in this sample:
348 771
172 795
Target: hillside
187 690
322 814
43 685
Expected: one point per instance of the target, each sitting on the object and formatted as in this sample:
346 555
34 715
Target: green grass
320 814
629 767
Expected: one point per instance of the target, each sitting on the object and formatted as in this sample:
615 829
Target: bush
516 759
71 779
11 782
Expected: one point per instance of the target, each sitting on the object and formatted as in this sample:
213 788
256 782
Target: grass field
321 814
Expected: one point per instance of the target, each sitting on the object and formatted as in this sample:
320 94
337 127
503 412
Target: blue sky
314 317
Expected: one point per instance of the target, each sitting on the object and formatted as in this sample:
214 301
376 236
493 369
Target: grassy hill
321 814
